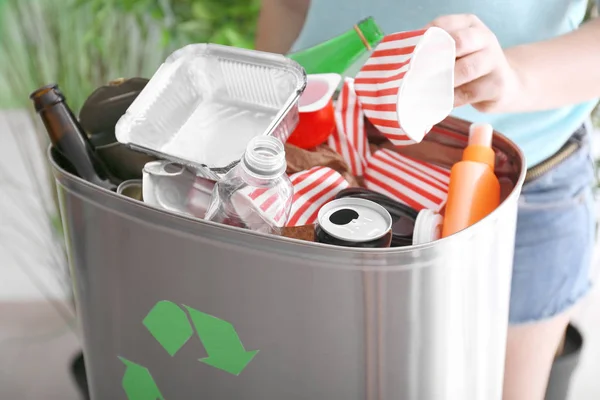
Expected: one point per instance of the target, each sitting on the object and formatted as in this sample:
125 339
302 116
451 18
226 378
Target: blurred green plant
44 41
228 22
81 45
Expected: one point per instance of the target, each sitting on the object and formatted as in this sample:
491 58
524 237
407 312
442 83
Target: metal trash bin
177 308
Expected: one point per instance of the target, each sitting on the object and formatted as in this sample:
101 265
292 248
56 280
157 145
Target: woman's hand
483 75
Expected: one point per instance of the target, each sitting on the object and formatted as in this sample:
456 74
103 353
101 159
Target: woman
529 69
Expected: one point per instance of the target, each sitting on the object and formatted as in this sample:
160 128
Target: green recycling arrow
138 382
222 343
169 325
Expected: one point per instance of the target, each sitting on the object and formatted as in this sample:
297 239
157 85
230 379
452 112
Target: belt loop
582 135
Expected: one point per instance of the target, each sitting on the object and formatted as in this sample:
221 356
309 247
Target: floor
38 335
585 385
36 346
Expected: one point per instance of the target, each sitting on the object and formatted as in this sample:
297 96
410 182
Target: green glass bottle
340 53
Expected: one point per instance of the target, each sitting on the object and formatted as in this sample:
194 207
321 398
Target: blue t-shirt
539 134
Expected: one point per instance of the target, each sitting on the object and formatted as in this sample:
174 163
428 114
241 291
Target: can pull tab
164 168
343 216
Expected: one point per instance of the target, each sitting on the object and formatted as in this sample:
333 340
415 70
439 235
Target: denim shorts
555 238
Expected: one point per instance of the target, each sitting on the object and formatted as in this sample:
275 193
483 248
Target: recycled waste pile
211 124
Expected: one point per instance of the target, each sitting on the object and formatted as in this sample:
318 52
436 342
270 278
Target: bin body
422 323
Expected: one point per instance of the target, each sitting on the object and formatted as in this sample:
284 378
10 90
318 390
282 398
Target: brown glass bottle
69 138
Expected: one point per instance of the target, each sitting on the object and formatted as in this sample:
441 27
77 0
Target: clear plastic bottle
256 194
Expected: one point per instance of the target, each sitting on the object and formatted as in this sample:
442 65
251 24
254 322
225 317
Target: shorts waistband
574 143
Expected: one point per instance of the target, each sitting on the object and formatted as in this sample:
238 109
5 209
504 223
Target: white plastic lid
354 220
428 227
319 90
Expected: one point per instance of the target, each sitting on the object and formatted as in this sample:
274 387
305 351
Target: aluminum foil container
206 101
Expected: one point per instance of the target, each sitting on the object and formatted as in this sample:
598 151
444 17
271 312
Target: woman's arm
532 77
560 71
279 24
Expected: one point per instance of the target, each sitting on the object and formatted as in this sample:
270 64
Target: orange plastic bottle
474 189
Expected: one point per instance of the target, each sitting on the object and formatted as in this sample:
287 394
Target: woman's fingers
473 66
481 90
482 77
455 22
470 40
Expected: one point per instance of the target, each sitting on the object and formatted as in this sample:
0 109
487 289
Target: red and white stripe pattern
349 139
270 203
379 81
413 182
312 189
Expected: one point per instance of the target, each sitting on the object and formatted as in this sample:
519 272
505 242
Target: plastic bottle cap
265 157
481 135
428 227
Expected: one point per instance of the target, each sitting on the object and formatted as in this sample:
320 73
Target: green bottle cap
369 32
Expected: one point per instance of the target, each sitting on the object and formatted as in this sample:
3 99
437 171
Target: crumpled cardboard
322 156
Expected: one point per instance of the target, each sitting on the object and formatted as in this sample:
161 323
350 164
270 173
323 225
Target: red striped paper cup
349 139
407 84
413 182
312 189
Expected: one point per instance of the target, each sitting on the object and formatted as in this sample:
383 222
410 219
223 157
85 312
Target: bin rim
360 257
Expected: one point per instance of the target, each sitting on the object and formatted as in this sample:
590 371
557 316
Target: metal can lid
131 188
354 220
129 183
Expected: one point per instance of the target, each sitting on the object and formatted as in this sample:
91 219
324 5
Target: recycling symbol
170 325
